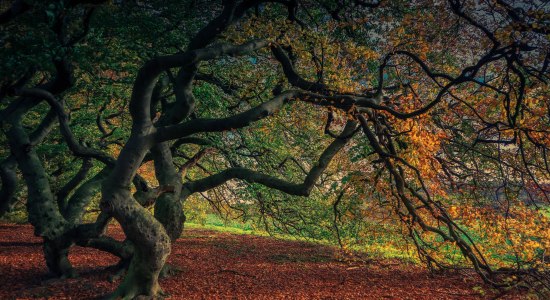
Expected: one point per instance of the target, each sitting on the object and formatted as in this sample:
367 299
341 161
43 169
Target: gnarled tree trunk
150 240
43 212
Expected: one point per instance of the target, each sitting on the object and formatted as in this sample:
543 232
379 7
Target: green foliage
345 208
17 216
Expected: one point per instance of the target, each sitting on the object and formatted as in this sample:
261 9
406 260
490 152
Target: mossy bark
147 234
76 205
168 206
8 178
56 253
42 208
151 247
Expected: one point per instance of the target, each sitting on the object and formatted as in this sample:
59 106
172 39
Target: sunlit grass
375 248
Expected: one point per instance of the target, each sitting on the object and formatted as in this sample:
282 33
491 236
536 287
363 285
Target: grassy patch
380 247
18 216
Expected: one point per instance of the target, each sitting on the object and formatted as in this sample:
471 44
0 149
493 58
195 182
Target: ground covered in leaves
218 265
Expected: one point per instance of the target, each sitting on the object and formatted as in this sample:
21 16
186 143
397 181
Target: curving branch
8 175
215 125
64 192
63 117
75 206
146 79
292 75
251 176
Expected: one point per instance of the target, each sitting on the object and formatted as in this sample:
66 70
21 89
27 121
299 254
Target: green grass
215 222
16 216
378 248
224 228
545 210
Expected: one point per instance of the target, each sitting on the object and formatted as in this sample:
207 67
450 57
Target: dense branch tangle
417 113
454 89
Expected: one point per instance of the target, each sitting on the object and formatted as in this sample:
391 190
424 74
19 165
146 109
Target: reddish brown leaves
218 265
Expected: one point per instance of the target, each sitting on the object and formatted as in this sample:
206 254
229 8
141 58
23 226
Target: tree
438 116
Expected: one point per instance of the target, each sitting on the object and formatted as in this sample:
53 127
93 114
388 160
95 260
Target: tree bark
8 166
9 185
168 206
56 253
43 212
151 245
150 240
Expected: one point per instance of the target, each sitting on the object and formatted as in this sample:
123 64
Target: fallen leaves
220 266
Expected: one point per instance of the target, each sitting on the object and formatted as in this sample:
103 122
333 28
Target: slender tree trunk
168 206
77 203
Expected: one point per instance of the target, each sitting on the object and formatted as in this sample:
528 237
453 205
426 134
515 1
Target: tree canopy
312 118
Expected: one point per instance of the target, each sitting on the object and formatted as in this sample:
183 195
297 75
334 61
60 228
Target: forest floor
217 265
